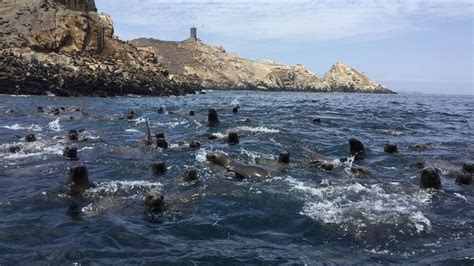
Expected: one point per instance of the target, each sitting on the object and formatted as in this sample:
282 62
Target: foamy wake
258 129
122 189
32 149
20 127
357 208
54 125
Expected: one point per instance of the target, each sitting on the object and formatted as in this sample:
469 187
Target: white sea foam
258 129
356 207
54 125
20 127
132 130
122 188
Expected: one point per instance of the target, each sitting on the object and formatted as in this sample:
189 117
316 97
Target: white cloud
305 20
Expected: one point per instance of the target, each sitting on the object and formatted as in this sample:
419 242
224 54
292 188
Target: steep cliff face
214 67
78 44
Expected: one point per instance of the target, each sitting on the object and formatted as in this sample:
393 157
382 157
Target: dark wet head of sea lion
192 113
14 149
317 120
233 138
160 135
160 109
464 179
218 158
390 148
70 153
213 117
236 109
429 178
161 143
357 149
158 168
73 135
284 157
361 171
130 115
190 175
194 144
56 112
468 167
40 109
155 201
30 137
78 178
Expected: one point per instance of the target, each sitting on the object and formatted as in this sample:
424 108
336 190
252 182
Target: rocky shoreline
66 48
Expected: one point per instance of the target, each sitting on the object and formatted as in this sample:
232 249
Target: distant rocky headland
67 48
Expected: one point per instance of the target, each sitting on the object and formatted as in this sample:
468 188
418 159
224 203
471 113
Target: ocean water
302 215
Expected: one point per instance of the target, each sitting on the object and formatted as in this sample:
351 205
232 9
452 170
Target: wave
358 208
32 127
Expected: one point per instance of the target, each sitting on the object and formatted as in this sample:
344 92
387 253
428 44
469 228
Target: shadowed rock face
213 67
78 5
67 48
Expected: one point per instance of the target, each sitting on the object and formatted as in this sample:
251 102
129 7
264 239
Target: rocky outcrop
65 47
343 78
213 67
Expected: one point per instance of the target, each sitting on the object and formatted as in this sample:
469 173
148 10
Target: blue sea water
302 215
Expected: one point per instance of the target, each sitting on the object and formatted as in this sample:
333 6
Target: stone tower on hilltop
193 35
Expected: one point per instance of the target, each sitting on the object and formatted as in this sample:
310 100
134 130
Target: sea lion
192 113
233 138
73 135
190 175
319 160
360 171
464 179
194 144
429 178
158 168
14 149
40 109
30 137
160 109
130 115
317 120
146 139
78 178
468 167
238 170
236 109
284 157
212 117
70 153
161 143
357 149
155 201
160 135
390 148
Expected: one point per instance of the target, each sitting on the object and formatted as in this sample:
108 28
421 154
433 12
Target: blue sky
407 45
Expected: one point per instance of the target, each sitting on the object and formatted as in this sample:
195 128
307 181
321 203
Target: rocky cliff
213 67
65 47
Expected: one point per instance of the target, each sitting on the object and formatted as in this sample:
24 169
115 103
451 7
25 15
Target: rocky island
67 48
216 68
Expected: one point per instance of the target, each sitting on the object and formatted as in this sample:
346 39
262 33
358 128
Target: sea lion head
213 117
429 178
218 158
155 201
78 178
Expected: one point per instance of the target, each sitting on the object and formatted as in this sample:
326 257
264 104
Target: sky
408 45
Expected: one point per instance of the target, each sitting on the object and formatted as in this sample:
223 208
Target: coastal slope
214 67
66 48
